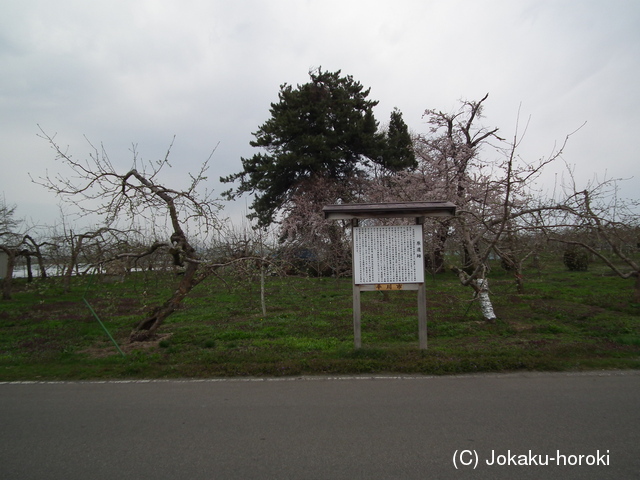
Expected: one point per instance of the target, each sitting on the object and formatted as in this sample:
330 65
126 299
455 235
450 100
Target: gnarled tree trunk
7 282
147 328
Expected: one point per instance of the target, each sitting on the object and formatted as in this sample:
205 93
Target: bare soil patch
108 349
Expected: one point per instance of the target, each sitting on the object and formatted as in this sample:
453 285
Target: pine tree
399 153
322 129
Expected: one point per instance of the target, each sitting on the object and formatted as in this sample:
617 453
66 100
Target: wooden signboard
389 257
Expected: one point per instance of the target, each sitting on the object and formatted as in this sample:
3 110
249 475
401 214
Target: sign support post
357 329
422 316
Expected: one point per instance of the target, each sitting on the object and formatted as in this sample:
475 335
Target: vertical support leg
422 316
422 302
357 338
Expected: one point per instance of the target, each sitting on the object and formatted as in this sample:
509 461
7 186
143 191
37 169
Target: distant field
564 321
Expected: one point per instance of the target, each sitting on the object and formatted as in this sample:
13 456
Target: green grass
564 321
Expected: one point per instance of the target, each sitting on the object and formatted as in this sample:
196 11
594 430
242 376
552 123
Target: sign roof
349 211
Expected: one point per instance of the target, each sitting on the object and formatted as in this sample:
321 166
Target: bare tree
15 243
83 243
517 245
598 221
255 245
32 248
139 196
10 242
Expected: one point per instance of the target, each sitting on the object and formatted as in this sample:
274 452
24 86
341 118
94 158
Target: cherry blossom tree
463 162
306 233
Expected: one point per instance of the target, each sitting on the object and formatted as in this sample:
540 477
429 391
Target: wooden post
357 329
422 304
422 316
357 337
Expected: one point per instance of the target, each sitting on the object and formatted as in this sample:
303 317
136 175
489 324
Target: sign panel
388 255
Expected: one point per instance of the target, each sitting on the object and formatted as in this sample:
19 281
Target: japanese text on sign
388 254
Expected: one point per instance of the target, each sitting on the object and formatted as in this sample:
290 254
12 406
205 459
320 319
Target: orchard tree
15 243
448 165
81 245
596 220
306 232
452 147
490 189
138 195
8 223
518 243
322 129
10 243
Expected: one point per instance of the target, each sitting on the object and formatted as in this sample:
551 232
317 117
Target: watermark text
472 459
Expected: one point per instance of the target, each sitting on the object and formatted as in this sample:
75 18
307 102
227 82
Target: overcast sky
141 71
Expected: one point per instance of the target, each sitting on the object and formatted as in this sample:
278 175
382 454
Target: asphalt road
325 428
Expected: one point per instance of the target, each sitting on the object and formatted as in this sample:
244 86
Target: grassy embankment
564 321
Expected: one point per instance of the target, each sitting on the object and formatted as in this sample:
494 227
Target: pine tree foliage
399 152
325 128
